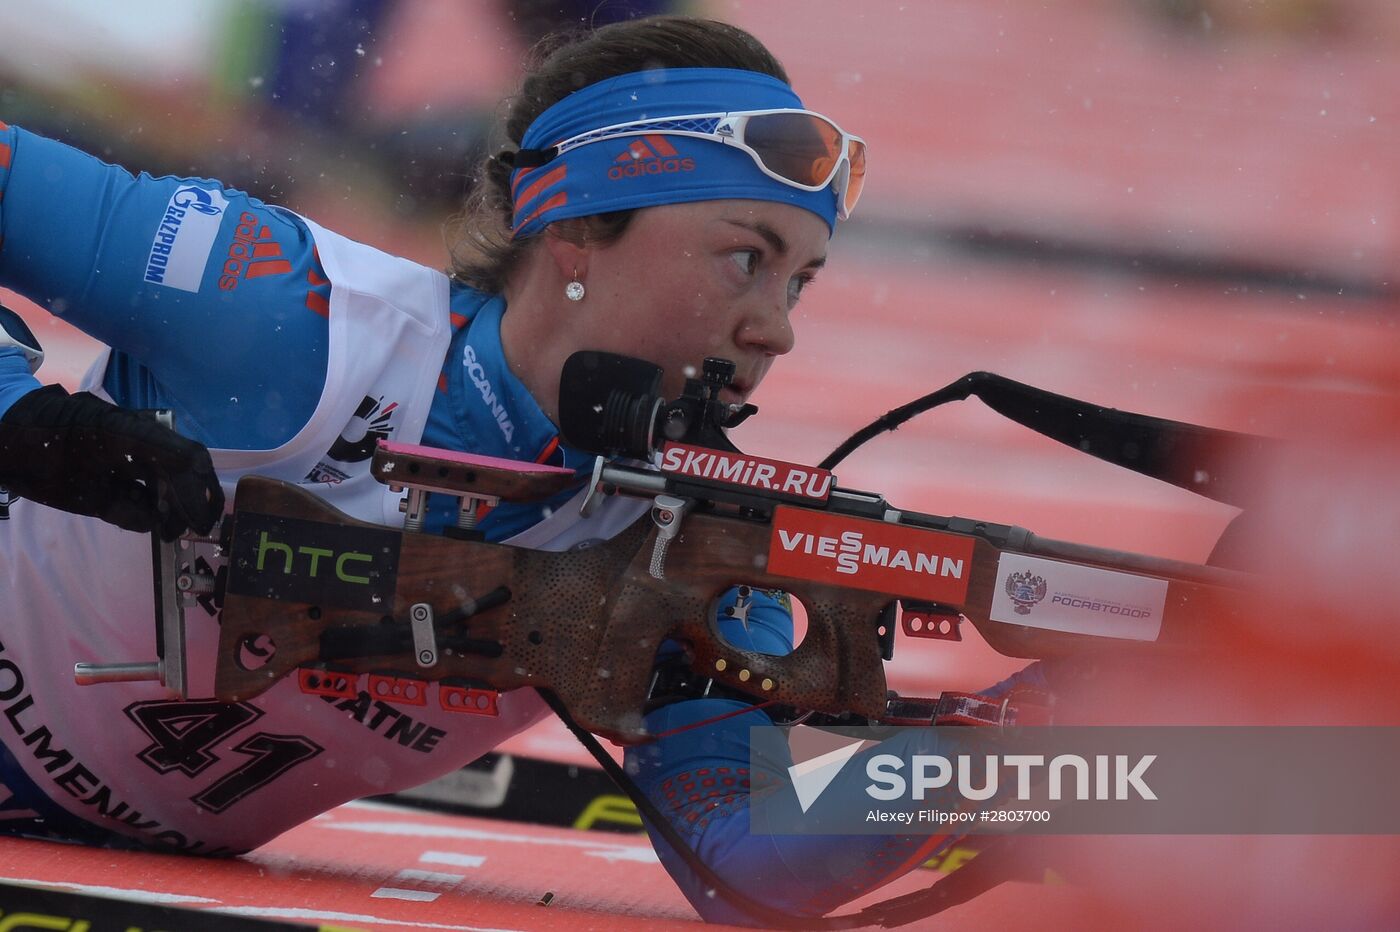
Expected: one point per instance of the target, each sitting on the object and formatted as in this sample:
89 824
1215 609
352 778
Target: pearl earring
574 290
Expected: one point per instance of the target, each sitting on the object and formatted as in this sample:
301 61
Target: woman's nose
769 327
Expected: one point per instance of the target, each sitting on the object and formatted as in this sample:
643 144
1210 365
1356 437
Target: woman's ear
567 245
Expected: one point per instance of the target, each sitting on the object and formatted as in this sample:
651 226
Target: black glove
81 454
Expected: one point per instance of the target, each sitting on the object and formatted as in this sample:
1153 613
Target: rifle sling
1219 464
989 869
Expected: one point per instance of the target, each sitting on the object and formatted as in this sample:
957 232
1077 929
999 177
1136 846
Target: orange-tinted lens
798 146
857 175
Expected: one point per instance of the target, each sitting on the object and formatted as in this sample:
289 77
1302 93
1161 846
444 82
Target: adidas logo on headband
649 155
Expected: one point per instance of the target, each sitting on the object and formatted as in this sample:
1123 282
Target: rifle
312 590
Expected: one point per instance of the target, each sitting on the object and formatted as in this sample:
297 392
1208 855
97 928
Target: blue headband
643 171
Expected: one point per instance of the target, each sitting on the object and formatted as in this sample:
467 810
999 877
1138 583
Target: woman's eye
795 286
746 260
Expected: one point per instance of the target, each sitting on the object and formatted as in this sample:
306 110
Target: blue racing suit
241 355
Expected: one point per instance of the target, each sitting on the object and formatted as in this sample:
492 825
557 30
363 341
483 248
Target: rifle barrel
1053 549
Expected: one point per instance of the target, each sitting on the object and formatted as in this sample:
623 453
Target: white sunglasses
796 147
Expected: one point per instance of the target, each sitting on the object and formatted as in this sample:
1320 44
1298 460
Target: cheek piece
614 145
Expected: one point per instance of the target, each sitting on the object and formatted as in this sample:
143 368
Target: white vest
76 589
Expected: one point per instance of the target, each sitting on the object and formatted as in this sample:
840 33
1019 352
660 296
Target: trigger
740 608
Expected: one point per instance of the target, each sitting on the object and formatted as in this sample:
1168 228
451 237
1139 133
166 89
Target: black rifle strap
976 877
1218 464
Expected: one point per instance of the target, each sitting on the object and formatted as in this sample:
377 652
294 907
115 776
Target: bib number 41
183 732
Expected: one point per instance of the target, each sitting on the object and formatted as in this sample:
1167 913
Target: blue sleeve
706 794
15 377
213 302
701 774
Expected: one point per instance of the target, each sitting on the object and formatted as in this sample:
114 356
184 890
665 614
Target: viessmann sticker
874 555
802 482
1041 593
